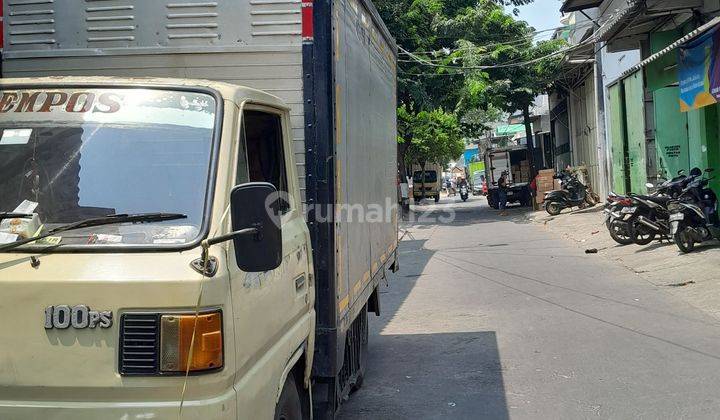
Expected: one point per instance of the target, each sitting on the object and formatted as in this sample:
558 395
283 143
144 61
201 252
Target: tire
641 236
617 234
437 198
365 339
590 200
492 203
684 240
289 407
553 208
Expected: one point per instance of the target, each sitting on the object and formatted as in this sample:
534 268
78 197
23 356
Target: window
78 163
262 158
430 177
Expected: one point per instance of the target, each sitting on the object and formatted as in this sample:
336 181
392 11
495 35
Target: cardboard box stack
545 183
525 171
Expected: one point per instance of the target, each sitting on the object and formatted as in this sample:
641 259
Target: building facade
644 131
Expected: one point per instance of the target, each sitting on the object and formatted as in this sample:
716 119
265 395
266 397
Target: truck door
272 310
499 162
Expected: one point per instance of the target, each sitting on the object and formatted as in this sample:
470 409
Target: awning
617 21
510 130
694 34
575 5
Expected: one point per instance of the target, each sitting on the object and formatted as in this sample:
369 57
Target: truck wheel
553 208
437 198
364 340
289 407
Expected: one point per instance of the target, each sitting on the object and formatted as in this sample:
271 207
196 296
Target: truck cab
432 182
174 274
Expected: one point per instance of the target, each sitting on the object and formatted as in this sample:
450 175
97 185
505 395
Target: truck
516 162
432 182
182 189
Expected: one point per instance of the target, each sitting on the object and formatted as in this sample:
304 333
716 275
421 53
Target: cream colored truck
120 197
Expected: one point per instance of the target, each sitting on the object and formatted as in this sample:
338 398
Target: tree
467 56
429 137
517 72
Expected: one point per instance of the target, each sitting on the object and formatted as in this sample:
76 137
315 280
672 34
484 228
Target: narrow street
496 318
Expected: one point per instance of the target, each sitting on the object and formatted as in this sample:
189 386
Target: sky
542 14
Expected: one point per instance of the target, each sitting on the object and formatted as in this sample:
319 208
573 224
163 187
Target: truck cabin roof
235 93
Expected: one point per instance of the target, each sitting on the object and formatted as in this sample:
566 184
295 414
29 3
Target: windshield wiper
98 221
12 215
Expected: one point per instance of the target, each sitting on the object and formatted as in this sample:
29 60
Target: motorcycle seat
658 199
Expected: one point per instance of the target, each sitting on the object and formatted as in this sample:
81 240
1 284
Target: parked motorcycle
464 193
573 194
648 217
617 228
694 217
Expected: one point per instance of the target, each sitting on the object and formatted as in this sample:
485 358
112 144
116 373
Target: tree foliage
431 136
450 38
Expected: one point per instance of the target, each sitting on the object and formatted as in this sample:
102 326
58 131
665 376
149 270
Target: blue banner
699 72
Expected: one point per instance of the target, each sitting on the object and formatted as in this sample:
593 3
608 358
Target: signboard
698 71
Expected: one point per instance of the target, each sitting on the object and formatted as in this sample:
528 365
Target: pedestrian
502 193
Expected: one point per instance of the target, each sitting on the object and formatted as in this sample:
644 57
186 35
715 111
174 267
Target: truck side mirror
256 205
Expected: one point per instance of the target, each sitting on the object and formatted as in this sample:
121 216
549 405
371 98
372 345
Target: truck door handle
300 283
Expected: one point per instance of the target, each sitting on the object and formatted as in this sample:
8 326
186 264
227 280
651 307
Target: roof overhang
577 5
687 38
626 26
618 21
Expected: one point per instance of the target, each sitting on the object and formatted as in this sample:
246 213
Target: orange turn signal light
178 349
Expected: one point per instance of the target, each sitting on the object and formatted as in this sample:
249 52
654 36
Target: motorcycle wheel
590 200
641 236
618 235
553 208
684 240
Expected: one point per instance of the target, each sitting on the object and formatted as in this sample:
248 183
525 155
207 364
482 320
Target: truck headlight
178 346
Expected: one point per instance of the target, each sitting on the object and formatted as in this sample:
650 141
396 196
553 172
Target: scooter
573 194
464 192
617 228
648 217
694 217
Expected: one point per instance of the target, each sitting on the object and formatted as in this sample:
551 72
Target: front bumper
219 407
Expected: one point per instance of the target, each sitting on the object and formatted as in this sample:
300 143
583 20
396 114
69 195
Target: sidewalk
660 264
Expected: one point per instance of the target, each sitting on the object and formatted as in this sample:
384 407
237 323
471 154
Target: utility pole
603 151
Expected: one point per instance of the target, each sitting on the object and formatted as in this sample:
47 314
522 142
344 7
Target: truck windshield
430 176
72 154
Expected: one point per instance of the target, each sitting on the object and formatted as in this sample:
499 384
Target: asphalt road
492 317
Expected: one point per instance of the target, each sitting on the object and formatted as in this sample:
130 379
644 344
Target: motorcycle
573 194
694 217
648 216
617 228
464 192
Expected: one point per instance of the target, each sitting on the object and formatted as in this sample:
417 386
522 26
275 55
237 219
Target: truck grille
139 344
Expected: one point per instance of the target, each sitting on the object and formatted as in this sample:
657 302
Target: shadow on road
463 214
413 375
421 376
